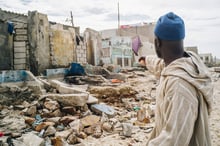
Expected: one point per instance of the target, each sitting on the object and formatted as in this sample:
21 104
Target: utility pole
118 17
119 31
71 14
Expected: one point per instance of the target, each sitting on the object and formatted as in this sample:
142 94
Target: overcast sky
202 17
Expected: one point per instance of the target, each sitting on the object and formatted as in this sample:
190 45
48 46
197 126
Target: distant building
117 50
206 58
192 48
128 32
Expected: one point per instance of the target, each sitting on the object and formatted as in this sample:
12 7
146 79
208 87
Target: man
184 94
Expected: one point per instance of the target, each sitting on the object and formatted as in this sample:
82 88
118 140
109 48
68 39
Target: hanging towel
136 44
11 28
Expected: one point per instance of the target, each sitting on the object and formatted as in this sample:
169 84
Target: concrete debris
63 88
69 99
90 120
112 94
78 110
51 130
31 139
102 108
127 129
92 100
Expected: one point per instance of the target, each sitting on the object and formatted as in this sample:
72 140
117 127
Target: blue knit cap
170 27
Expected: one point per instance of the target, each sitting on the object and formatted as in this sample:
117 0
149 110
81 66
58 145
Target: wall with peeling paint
62 40
37 44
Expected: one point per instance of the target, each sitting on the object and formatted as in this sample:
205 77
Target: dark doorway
6 47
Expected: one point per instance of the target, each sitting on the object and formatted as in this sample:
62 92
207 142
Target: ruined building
34 43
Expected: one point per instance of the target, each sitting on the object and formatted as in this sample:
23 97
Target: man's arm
154 64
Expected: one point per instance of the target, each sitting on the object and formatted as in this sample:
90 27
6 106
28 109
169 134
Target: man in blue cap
185 91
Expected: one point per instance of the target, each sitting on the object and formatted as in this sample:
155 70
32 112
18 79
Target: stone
31 111
48 114
65 88
102 108
67 119
63 134
31 139
141 114
16 143
106 126
29 120
45 83
72 139
76 126
90 120
54 120
56 113
97 130
51 105
150 110
57 141
26 104
19 107
16 134
108 91
69 99
43 125
92 100
50 131
88 130
69 110
14 123
127 129
82 135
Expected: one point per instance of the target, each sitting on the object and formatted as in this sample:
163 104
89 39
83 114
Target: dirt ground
215 115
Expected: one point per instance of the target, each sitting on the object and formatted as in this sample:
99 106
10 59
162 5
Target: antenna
71 15
118 17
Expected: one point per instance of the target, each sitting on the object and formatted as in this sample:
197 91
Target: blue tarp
76 69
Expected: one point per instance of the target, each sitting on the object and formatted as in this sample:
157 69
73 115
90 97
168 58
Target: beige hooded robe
183 102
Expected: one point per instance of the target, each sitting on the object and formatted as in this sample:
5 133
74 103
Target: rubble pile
63 113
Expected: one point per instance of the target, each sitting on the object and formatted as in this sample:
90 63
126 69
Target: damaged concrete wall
62 43
38 35
94 44
14 45
36 44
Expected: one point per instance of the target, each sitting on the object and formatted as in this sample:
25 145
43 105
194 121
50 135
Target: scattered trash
1 134
116 81
70 113
38 120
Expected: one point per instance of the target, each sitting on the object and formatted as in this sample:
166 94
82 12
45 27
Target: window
126 61
119 61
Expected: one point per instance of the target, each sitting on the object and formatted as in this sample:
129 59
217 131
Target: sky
201 17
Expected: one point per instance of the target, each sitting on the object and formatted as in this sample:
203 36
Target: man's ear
157 43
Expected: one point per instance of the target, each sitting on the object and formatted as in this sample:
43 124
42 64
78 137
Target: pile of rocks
63 114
